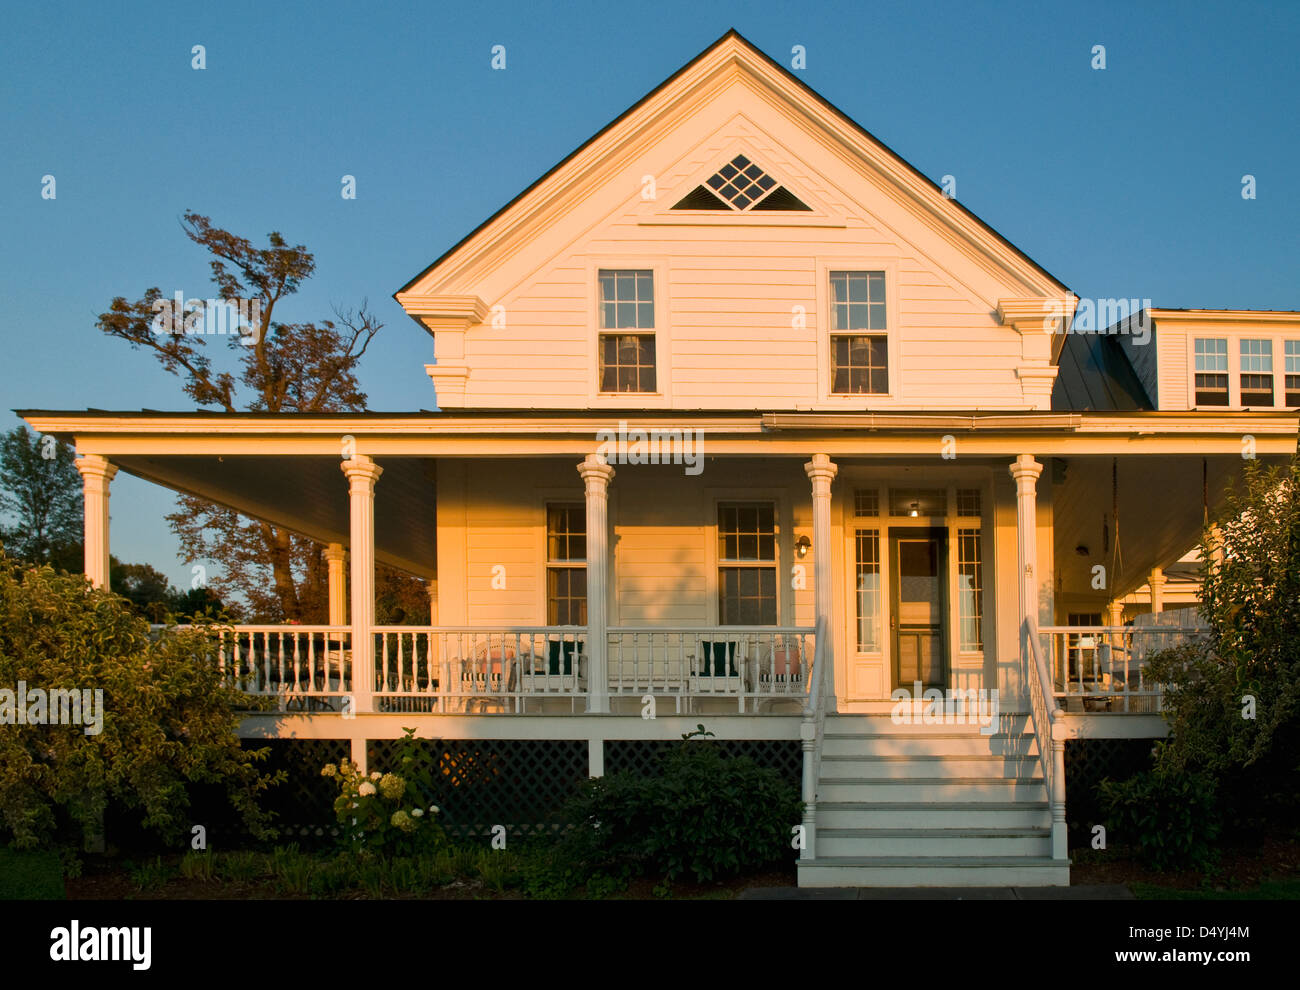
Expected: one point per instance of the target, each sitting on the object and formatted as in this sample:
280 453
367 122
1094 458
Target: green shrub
704 816
392 813
1171 819
166 719
1233 700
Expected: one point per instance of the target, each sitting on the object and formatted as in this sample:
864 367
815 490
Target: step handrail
1051 745
812 732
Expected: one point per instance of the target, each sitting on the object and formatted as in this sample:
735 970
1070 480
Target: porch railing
1044 712
755 665
468 670
1103 668
461 669
309 668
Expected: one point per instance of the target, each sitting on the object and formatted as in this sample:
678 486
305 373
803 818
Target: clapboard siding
731 291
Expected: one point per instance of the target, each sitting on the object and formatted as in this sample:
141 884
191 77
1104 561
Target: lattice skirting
1087 763
643 756
521 784
303 803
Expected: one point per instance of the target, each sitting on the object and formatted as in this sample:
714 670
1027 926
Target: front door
919 607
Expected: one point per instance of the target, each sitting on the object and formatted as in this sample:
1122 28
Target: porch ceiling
1160 513
309 496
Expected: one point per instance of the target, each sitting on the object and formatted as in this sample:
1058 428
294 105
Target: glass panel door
919 606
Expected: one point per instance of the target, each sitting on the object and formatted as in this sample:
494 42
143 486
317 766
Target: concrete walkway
1096 892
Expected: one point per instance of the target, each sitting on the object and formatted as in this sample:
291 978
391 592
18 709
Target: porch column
1116 616
432 589
597 475
362 473
1157 582
821 472
1026 471
96 476
334 557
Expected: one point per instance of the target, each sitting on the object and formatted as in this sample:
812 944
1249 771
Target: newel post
1060 831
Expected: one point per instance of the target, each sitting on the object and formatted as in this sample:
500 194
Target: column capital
1026 470
361 471
1158 578
95 467
334 552
821 467
595 470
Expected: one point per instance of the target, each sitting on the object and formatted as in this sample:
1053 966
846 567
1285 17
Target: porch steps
914 805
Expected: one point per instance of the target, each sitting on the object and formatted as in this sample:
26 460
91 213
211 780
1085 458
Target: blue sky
1121 182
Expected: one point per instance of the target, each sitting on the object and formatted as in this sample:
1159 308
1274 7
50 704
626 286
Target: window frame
779 497
1242 373
742 564
571 564
662 332
1233 337
825 331
1289 344
1226 373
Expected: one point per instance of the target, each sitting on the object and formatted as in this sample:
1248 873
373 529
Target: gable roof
742 47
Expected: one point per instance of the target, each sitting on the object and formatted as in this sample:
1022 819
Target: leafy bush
1233 703
703 816
1171 819
168 721
389 813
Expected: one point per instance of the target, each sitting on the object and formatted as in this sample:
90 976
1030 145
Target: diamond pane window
740 185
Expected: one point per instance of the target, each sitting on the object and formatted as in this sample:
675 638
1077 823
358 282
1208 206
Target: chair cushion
717 658
554 649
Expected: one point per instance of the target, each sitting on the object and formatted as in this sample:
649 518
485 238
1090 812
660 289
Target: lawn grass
30 876
1269 890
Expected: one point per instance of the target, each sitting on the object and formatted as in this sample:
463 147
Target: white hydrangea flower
434 808
417 813
366 789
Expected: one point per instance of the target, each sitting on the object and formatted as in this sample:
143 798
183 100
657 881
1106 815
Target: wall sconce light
802 545
916 506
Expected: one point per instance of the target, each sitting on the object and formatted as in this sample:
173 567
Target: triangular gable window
740 185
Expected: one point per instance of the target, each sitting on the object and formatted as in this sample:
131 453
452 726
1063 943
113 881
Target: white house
741 420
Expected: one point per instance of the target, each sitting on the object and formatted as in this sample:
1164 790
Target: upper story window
1211 371
747 564
1256 372
740 185
1292 371
859 345
627 303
